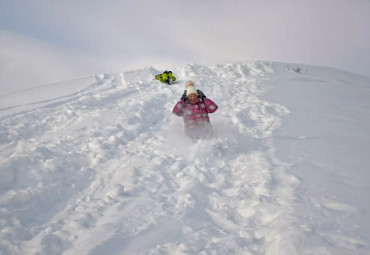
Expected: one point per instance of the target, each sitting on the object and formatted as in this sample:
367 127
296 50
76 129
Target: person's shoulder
208 100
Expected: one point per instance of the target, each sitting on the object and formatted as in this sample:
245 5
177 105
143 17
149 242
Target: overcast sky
45 41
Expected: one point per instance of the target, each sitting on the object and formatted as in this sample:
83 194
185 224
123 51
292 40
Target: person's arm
210 105
179 107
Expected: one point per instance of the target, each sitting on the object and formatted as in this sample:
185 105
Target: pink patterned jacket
195 114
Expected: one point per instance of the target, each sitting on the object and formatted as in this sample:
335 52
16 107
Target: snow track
109 171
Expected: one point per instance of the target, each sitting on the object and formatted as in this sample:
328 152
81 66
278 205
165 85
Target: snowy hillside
107 169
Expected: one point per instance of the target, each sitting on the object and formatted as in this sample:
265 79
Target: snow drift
107 169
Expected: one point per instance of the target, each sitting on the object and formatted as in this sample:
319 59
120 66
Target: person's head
191 92
193 98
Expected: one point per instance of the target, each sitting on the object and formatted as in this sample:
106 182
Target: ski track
108 171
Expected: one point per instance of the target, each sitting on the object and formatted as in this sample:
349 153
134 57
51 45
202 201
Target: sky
44 41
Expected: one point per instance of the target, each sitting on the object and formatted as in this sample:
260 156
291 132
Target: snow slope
107 169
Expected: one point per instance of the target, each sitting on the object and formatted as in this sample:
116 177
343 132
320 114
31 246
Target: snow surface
107 169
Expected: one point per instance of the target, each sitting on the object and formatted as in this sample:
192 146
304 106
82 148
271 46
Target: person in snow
166 77
194 107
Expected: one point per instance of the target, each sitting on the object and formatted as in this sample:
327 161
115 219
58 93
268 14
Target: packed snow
100 165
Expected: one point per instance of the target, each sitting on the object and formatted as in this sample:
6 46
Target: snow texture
106 169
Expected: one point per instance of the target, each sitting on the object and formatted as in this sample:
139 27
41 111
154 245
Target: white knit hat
190 89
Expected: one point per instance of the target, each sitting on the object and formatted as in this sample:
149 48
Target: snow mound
108 170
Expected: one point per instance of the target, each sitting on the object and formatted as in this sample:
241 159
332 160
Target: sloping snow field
107 169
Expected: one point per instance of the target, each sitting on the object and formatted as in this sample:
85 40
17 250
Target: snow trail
109 170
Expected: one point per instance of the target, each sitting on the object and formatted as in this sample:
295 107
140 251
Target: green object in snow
166 77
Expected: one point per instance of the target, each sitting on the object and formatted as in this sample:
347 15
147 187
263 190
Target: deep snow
107 169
